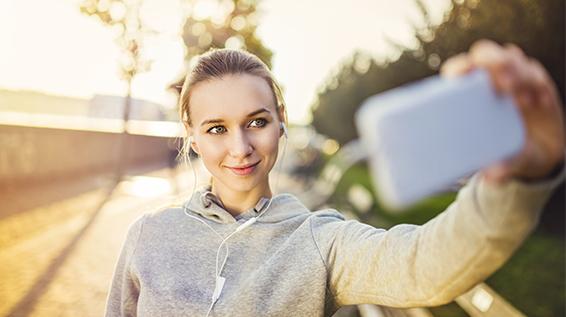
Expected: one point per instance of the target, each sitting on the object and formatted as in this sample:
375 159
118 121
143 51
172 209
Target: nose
240 145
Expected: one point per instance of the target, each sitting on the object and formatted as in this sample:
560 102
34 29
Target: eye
216 130
258 123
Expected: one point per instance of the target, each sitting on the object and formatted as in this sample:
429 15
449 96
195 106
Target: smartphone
423 137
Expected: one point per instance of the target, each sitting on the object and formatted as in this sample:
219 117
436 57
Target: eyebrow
251 114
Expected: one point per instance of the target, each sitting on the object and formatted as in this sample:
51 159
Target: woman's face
235 130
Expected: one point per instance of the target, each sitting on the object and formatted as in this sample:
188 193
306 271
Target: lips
244 169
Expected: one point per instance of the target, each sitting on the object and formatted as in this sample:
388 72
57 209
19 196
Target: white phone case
421 138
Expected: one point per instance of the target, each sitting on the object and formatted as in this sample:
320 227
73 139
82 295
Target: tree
536 26
233 24
123 15
333 112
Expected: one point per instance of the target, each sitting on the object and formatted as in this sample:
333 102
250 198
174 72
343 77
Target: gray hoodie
294 262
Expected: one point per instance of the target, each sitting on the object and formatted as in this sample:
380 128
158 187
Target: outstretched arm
429 265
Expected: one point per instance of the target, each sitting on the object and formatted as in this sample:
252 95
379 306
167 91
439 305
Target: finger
521 71
515 49
493 58
456 65
539 83
544 86
486 53
510 69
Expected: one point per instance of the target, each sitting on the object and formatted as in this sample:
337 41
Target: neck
236 202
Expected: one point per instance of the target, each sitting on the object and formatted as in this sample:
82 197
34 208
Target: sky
49 46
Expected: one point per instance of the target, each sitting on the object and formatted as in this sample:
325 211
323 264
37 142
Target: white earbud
190 141
284 128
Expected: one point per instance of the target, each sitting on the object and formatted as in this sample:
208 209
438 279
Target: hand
538 102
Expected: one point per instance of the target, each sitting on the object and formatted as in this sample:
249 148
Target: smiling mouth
245 169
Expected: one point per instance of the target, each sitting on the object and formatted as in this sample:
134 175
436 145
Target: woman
234 250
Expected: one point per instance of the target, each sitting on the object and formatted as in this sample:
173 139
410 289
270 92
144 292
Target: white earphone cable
219 280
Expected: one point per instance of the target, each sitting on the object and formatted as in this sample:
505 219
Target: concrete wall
37 154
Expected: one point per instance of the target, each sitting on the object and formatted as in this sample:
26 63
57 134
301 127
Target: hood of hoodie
283 206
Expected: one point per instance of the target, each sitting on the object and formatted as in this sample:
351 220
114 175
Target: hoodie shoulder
325 223
164 216
328 214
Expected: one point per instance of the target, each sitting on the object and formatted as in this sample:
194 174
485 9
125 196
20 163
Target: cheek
267 143
210 151
214 150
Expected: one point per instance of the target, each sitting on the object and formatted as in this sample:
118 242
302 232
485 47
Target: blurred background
89 131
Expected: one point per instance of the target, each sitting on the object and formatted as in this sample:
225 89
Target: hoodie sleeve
430 265
122 298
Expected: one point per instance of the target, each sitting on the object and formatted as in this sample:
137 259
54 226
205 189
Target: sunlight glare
238 23
117 11
330 147
198 29
235 42
204 9
146 186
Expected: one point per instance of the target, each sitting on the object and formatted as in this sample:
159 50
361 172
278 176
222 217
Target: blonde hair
217 63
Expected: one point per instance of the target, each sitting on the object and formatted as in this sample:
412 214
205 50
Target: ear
282 114
191 140
193 145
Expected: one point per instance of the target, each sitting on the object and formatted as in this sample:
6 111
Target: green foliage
419 213
535 26
232 27
233 24
533 279
235 27
334 113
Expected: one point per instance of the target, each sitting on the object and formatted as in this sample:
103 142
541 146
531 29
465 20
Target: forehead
230 97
